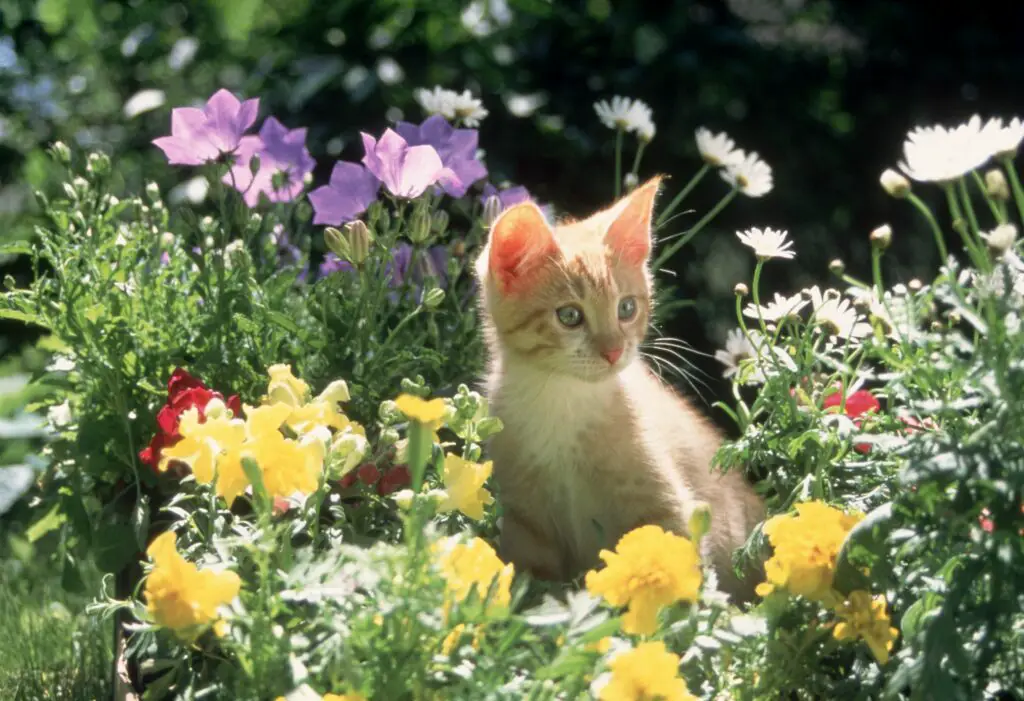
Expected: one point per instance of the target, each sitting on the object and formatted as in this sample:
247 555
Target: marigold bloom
806 546
648 671
464 482
649 569
181 596
429 413
474 564
866 617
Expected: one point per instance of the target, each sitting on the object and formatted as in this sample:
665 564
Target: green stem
755 283
968 207
876 270
940 241
618 163
636 159
960 225
998 212
1018 192
678 199
685 238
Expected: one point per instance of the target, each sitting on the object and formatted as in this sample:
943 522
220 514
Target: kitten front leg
529 547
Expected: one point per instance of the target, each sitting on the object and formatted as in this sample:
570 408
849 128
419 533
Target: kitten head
574 299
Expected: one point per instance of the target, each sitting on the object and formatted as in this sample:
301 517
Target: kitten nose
612 355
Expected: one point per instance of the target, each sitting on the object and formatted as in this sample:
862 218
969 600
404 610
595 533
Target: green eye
627 308
570 316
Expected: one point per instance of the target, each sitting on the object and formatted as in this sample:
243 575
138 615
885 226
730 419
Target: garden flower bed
278 459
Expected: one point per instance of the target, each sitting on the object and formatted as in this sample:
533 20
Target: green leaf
255 475
285 322
115 546
51 521
140 522
15 248
18 315
74 509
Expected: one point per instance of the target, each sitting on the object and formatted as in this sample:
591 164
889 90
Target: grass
50 650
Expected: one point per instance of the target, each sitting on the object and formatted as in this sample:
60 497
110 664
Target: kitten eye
627 308
570 316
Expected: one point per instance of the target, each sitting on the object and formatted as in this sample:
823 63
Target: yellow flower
429 413
203 447
284 387
806 545
866 617
288 466
474 564
181 596
464 482
351 696
307 417
645 673
649 569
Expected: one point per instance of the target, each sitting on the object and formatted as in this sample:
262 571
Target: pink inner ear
521 241
629 236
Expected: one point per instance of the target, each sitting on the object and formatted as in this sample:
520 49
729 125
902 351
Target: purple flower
350 191
284 162
508 197
332 264
456 147
430 263
405 170
200 135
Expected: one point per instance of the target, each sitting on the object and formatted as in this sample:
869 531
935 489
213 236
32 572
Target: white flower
767 243
737 349
750 175
59 415
779 308
837 315
1003 140
717 149
894 183
938 154
626 114
894 312
1001 238
452 105
646 130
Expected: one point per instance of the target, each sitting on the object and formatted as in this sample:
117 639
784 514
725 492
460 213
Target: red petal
861 402
235 405
182 381
368 473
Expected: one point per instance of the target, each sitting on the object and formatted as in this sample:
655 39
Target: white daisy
893 312
1003 139
779 308
645 130
452 105
749 174
625 114
737 349
837 315
1001 238
717 149
938 154
767 243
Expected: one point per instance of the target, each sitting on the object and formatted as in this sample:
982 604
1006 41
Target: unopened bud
630 181
359 238
166 239
215 409
207 225
492 209
837 266
741 290
433 298
9 282
895 184
881 238
81 186
488 426
700 521
335 393
61 152
915 285
98 163
403 499
254 164
235 253
440 222
458 248
1001 239
995 185
419 225
336 243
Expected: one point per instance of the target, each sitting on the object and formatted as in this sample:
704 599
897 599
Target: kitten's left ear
629 236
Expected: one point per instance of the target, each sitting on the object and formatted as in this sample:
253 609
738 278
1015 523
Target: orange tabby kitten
594 443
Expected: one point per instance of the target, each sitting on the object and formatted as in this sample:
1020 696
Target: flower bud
492 209
98 164
915 285
895 184
347 450
167 240
458 248
81 186
700 521
335 393
881 238
433 298
153 192
1001 239
837 266
235 253
995 185
489 426
215 409
359 239
61 152
630 181
9 282
419 225
336 243
254 164
388 412
440 222
741 290
403 499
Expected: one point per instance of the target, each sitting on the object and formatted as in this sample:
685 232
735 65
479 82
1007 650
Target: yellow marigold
464 483
866 617
649 569
647 672
181 596
474 564
806 545
429 413
284 387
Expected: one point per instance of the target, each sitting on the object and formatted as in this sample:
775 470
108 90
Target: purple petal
227 120
420 169
351 190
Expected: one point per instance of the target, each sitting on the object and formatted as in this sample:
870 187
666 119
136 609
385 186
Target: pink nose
612 355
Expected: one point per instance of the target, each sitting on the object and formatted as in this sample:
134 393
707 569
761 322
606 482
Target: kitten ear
521 241
629 236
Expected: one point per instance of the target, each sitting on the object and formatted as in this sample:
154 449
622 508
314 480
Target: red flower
183 393
348 480
987 524
857 404
368 473
394 479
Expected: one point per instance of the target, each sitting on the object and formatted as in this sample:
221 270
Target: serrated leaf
24 317
15 248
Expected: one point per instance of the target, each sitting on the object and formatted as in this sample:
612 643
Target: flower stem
940 241
678 199
876 270
1018 192
968 207
685 238
636 159
754 284
618 163
960 225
